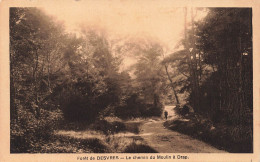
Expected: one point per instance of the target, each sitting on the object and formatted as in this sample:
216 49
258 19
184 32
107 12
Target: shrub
78 108
107 127
234 138
134 107
27 131
63 144
139 148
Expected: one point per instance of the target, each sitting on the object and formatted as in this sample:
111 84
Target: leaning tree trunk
171 83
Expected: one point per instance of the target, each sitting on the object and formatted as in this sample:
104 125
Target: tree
229 52
148 70
186 67
33 43
93 78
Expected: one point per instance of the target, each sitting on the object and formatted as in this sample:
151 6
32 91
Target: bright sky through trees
161 21
121 19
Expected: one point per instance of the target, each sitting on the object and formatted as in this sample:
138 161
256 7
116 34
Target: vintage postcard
122 80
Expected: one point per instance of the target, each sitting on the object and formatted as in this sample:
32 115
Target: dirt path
152 133
166 141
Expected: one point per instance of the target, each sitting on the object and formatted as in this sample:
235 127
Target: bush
134 107
236 139
139 148
27 131
84 99
107 127
152 110
133 127
63 144
78 108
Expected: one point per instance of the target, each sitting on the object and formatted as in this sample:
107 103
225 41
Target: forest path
164 140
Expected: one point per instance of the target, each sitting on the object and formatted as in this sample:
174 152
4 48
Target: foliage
28 132
61 144
107 127
234 139
229 52
33 39
135 106
150 80
58 76
215 69
217 56
139 148
52 70
217 63
96 83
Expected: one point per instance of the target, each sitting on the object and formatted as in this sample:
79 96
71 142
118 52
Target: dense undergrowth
28 133
111 134
139 148
232 138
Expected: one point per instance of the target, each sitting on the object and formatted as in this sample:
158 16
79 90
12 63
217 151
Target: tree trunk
35 86
194 64
171 82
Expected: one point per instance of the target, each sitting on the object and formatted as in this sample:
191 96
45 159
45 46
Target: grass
118 143
64 144
74 126
106 135
132 127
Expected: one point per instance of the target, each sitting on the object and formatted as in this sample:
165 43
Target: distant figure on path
165 114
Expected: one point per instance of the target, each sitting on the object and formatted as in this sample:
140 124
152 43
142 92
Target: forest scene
128 87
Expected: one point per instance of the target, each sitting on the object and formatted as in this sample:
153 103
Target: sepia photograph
152 81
